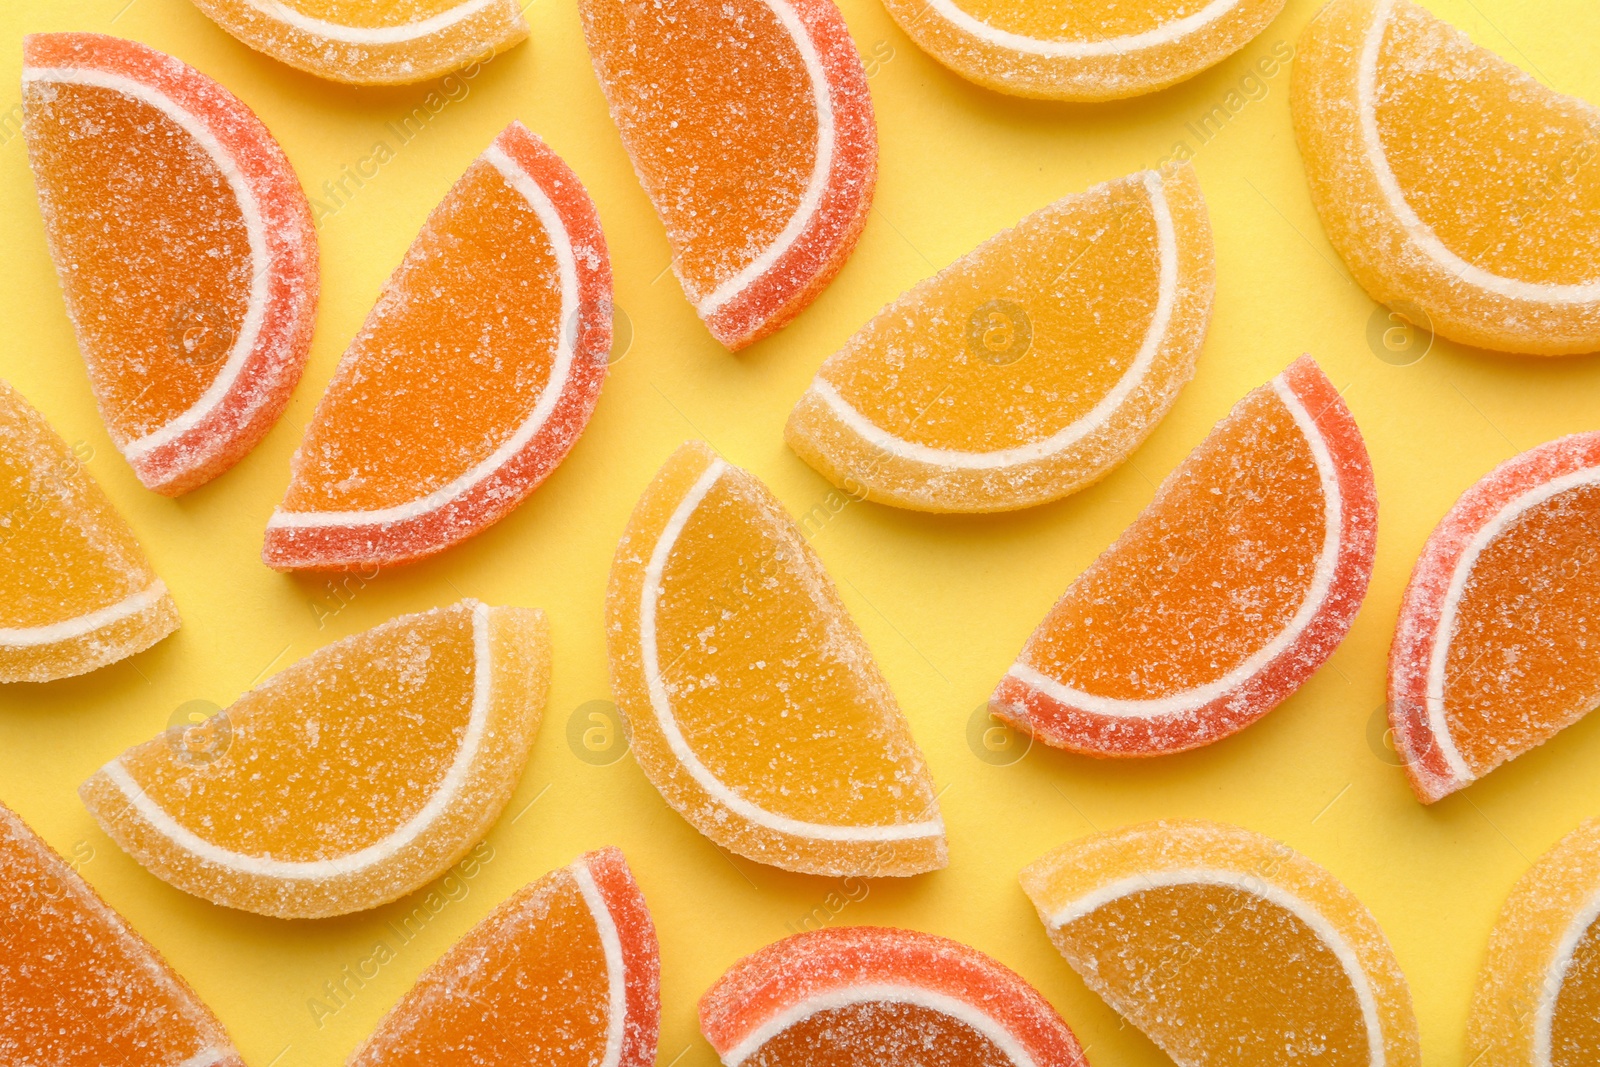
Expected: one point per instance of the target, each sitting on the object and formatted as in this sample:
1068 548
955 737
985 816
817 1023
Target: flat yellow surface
944 602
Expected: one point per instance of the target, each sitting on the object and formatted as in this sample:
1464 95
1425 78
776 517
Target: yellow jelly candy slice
756 708
76 591
1081 49
349 779
1538 998
1030 367
1226 947
1461 192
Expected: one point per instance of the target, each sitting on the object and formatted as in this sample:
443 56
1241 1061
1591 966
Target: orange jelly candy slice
471 379
373 42
750 127
755 706
1031 366
1081 49
349 779
563 974
1495 249
864 996
1225 947
184 245
76 591
1230 589
1493 653
1538 998
78 987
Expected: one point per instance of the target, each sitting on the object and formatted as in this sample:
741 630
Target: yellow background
944 602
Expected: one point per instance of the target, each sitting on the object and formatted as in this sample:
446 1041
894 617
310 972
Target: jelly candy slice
1235 584
1497 249
1030 367
756 708
563 974
1077 50
1493 654
1538 998
349 779
1224 946
76 591
860 996
373 42
750 127
471 379
77 986
184 245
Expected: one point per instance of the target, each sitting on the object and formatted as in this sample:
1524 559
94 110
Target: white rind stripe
1265 890
308 870
616 973
207 1057
255 232
1439 653
1096 417
1316 595
1555 978
960 1010
1420 233
33 636
811 198
560 371
410 31
661 702
1059 48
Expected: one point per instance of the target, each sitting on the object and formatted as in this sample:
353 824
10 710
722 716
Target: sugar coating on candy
183 244
1537 1001
374 42
867 995
1234 585
1031 366
750 127
76 591
1492 652
77 985
1224 946
1497 250
347 780
755 706
471 379
1081 49
563 974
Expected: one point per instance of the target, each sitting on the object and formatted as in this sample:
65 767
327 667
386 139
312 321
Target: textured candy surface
1537 1002
184 246
756 708
78 988
751 129
1491 654
1030 367
349 779
76 591
1230 589
471 379
1081 49
373 42
563 974
1224 946
860 996
1497 250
